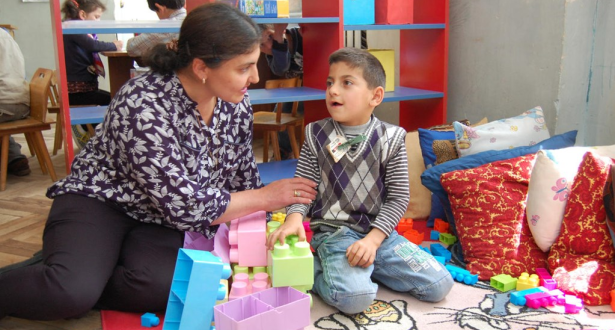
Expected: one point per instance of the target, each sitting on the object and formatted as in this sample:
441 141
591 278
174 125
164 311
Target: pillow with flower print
488 203
582 258
526 129
550 183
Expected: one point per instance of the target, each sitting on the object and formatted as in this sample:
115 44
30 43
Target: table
120 64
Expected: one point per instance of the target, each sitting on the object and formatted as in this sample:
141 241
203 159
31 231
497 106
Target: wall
509 56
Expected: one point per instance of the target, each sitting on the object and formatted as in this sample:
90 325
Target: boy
165 10
361 167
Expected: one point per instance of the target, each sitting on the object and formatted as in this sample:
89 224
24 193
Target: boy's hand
293 225
362 253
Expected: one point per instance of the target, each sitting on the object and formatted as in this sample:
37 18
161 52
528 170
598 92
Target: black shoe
19 167
37 258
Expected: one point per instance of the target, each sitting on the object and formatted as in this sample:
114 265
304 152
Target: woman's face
230 81
91 16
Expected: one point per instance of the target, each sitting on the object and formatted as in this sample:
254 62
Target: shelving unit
423 59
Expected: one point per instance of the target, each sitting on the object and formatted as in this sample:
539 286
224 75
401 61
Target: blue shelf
407 94
112 27
395 27
266 96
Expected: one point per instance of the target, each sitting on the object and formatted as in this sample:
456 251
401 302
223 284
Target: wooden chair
54 107
32 127
273 122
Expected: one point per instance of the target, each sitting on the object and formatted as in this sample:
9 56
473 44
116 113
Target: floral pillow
488 203
550 183
526 129
582 259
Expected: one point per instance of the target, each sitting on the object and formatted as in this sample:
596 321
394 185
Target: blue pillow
431 177
426 138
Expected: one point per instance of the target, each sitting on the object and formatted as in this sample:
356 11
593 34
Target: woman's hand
293 225
282 193
279 30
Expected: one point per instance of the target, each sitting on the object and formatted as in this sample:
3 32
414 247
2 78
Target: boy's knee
354 303
438 290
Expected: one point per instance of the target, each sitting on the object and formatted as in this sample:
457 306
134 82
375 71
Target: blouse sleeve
90 45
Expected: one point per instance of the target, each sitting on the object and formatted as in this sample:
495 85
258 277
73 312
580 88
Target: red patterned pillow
488 203
582 259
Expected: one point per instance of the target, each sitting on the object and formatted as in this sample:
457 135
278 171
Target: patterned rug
478 307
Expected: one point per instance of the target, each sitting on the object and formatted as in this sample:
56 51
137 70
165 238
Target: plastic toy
291 264
280 308
149 320
518 297
279 217
438 249
612 293
462 275
543 299
447 239
308 233
572 304
434 235
243 285
404 225
247 237
527 281
503 282
440 225
272 226
414 236
194 290
545 279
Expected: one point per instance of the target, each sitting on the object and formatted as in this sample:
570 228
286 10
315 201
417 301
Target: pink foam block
247 237
243 285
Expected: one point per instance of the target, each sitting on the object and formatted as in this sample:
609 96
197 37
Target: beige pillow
420 197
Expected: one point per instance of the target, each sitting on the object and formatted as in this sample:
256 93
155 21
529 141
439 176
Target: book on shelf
265 8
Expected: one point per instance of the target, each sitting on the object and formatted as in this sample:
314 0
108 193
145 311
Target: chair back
54 94
39 93
284 83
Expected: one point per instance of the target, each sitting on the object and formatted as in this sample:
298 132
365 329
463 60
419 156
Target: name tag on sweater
334 148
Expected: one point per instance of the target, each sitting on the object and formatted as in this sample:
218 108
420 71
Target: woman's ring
297 194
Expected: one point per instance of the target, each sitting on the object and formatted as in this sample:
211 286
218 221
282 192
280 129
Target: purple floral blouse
155 157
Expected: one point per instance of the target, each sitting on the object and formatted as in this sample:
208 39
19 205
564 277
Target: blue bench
274 171
87 115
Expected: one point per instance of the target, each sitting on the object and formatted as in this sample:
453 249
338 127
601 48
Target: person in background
166 10
284 53
361 166
83 64
173 154
14 97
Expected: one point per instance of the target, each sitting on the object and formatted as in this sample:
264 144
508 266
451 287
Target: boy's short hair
373 72
265 26
171 4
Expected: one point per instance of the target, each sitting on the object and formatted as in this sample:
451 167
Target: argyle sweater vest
368 187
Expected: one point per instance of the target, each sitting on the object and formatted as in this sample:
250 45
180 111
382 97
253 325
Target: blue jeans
399 265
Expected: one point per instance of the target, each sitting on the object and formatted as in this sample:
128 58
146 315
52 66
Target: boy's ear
377 96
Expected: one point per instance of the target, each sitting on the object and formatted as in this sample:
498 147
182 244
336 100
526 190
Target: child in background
83 64
284 53
166 10
361 167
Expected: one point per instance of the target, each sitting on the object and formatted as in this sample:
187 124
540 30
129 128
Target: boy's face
349 100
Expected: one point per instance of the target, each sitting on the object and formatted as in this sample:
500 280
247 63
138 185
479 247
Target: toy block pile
536 290
268 288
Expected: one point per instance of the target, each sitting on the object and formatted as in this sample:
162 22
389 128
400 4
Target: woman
173 154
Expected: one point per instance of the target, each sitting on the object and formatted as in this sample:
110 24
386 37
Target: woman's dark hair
71 8
214 32
171 4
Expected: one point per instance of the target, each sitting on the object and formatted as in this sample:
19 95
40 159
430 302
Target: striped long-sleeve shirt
367 188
